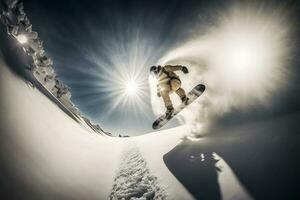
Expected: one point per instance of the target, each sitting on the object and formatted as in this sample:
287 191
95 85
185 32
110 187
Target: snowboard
192 95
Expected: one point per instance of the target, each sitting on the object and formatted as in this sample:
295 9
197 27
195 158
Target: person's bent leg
176 87
165 94
175 84
181 93
167 99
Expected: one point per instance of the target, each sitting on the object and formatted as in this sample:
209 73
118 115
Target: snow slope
45 154
48 154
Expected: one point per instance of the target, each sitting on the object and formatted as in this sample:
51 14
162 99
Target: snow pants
174 85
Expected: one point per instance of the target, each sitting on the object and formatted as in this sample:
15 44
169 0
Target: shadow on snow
264 157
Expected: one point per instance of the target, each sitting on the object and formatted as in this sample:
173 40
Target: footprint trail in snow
134 181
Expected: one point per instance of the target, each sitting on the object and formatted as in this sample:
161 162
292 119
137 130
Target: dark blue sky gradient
109 30
74 30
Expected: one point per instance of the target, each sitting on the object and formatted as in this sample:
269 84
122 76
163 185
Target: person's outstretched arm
176 67
173 67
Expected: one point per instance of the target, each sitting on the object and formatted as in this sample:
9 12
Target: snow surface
47 151
57 158
134 180
45 154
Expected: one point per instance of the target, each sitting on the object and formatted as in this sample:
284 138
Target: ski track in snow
134 181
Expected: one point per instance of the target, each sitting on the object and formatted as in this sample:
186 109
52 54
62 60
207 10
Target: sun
131 88
124 80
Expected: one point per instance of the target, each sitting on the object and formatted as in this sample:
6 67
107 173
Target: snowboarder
169 82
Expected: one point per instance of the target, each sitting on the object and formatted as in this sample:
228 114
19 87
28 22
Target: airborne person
169 82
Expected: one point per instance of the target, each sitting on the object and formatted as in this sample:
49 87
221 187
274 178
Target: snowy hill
45 154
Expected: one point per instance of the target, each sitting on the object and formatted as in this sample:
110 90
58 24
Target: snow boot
169 111
184 99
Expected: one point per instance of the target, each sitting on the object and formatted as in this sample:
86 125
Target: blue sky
95 45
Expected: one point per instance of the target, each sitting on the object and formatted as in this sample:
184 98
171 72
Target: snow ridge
134 181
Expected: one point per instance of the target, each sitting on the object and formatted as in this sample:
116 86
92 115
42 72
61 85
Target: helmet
154 70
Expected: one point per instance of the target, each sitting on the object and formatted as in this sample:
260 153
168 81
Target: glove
185 69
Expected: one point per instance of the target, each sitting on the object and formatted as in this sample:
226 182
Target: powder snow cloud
242 58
